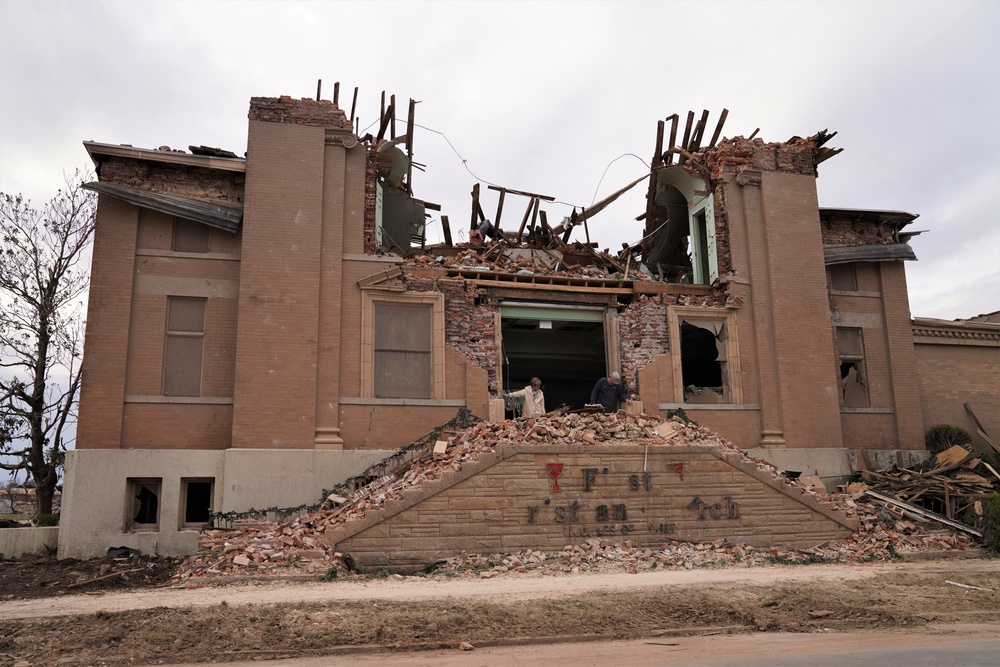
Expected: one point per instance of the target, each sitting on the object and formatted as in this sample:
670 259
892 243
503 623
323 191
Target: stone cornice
943 332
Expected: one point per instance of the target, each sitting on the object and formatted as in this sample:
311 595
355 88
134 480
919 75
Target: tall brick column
797 362
282 271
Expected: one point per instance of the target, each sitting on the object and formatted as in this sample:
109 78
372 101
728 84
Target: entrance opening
562 345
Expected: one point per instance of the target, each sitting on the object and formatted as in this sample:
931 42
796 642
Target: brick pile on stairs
296 547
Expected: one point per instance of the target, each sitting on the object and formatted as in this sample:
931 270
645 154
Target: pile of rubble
949 482
577 260
298 547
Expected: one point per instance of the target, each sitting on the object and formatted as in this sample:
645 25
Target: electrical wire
465 165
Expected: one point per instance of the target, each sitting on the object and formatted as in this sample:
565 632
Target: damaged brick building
262 328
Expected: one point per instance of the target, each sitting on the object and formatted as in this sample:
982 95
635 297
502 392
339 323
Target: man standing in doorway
608 391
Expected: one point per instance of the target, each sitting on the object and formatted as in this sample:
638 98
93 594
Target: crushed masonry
297 547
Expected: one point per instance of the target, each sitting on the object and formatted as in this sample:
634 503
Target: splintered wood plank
718 127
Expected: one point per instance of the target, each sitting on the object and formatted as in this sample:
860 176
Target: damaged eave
899 219
226 217
98 151
891 252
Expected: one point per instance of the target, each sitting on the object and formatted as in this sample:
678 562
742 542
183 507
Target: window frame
183 523
835 270
433 300
175 236
731 373
169 334
133 485
859 360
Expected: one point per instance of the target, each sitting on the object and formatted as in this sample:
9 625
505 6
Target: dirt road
308 620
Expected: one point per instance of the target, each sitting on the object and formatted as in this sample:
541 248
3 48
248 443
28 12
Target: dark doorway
564 346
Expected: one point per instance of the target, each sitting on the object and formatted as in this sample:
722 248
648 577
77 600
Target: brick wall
847 232
275 387
505 502
305 111
643 334
179 180
102 391
954 370
177 426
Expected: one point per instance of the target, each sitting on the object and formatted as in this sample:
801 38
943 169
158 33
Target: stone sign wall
545 497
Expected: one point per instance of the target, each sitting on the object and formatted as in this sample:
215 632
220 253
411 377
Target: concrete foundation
20 542
97 504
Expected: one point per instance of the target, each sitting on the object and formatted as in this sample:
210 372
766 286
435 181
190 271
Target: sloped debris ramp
305 545
544 483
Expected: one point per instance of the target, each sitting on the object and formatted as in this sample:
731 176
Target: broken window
703 360
190 236
851 352
185 335
196 494
704 256
402 350
843 277
143 504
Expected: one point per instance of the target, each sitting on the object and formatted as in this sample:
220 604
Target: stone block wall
507 501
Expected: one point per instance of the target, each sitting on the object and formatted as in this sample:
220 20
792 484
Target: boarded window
197 497
851 353
843 277
142 504
183 347
191 236
402 351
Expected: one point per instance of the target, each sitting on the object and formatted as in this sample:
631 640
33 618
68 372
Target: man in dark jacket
608 391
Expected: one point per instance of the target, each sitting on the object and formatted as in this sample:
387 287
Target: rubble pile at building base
297 547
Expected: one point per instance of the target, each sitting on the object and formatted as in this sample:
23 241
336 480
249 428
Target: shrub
943 436
47 520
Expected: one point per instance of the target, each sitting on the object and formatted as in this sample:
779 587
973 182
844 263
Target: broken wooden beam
532 195
718 127
446 228
673 138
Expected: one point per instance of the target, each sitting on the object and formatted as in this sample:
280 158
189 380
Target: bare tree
44 269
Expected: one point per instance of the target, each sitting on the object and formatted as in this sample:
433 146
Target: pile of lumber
943 489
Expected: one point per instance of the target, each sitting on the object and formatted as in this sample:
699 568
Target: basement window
190 236
143 504
196 495
851 353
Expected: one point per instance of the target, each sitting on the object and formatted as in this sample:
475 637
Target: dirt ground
133 618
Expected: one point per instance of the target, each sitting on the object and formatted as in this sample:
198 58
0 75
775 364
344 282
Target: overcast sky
546 97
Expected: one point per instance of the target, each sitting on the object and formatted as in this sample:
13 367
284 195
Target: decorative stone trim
203 400
959 333
749 177
345 139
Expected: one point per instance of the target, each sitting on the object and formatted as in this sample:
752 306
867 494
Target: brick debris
297 547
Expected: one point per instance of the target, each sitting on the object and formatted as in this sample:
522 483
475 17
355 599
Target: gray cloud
545 96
